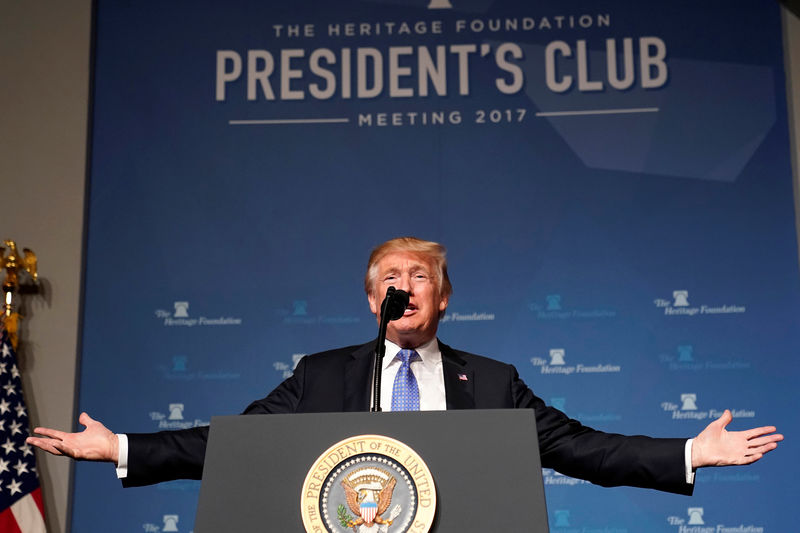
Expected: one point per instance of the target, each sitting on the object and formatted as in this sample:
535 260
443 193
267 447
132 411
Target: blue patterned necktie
405 393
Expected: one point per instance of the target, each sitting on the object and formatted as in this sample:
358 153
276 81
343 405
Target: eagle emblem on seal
368 492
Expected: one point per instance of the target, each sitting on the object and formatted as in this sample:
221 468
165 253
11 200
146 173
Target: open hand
95 443
716 446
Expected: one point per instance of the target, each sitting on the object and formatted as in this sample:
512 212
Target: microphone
394 305
392 308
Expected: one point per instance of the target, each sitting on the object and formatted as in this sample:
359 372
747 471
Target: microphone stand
389 311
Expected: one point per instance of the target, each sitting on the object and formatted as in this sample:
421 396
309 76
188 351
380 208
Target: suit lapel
358 378
459 380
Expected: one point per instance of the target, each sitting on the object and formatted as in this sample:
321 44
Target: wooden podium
485 465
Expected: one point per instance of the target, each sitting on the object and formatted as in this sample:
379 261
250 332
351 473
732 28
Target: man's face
415 274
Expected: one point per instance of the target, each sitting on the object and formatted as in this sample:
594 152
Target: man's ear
443 306
373 303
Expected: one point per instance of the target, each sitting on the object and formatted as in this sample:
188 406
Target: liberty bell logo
181 309
176 411
562 518
685 353
170 522
300 308
689 402
179 363
695 516
557 356
681 298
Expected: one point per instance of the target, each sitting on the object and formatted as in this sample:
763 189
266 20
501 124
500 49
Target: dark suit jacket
340 380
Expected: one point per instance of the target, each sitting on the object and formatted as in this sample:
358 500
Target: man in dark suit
426 374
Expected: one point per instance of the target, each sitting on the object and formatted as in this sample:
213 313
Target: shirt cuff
687 454
122 461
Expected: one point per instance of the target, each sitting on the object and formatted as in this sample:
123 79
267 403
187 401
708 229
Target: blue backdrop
612 180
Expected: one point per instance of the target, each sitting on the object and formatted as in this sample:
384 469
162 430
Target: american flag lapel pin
463 377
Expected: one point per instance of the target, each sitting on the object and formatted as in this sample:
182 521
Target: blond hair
432 250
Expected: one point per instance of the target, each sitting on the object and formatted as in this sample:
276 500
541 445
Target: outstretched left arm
716 446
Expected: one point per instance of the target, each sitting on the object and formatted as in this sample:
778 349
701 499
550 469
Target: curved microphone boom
392 308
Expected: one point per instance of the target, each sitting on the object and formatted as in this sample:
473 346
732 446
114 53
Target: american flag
21 509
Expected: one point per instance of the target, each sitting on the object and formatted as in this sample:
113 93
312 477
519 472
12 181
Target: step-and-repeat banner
612 180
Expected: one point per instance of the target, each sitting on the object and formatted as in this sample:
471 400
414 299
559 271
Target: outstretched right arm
153 457
156 457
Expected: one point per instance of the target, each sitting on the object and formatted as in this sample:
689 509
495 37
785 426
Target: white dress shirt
428 371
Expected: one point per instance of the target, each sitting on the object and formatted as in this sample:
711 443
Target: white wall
44 88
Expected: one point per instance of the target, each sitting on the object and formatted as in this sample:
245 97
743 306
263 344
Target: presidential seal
368 484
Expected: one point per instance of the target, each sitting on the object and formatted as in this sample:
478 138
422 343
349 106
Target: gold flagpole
14 265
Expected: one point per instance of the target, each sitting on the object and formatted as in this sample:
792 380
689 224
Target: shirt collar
428 352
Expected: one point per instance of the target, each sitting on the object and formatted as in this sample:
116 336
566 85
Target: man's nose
404 283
